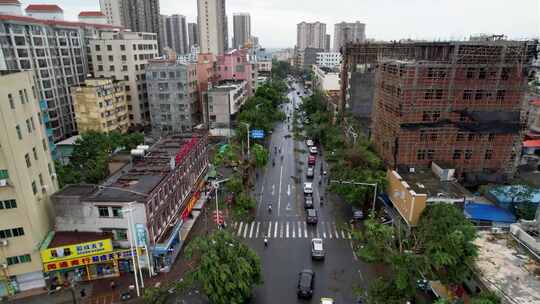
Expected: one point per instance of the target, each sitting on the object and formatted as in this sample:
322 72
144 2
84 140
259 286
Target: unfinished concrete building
456 103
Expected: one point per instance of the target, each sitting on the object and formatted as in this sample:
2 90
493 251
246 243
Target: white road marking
289 189
273 189
269 229
335 229
329 230
257 231
293 230
353 253
245 230
343 234
287 232
323 231
318 235
240 229
305 230
251 229
275 229
299 229
281 226
279 191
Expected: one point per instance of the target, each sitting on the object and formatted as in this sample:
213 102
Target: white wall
14 10
46 16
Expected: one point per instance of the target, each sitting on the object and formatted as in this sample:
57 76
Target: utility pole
247 127
360 184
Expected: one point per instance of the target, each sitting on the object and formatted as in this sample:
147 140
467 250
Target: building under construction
456 103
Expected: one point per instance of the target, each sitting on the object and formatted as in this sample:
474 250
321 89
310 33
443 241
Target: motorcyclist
269 207
273 163
265 241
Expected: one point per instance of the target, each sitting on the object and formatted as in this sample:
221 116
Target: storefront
84 262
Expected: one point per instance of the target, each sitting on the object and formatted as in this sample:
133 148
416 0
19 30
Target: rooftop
43 8
26 19
136 182
91 14
424 181
63 238
68 141
10 2
504 268
77 190
490 213
227 85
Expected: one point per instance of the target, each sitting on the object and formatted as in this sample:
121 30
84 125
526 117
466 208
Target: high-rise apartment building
123 56
100 105
212 22
112 9
173 96
327 43
162 33
312 35
193 34
56 52
241 30
348 32
27 179
456 103
176 34
136 15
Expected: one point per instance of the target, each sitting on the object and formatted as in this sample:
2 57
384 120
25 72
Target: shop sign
141 235
191 204
107 257
76 251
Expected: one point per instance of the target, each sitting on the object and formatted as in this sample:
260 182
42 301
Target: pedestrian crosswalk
291 230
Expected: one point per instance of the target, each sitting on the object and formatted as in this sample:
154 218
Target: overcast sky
274 21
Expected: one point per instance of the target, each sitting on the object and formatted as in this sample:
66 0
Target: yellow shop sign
76 251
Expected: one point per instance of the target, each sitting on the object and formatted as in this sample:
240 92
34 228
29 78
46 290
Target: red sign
184 150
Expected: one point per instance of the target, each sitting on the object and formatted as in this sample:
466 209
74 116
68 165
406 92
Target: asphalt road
289 235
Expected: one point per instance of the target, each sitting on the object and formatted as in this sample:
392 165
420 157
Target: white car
327 301
313 150
317 250
308 188
309 142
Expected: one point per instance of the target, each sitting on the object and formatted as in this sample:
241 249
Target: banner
76 251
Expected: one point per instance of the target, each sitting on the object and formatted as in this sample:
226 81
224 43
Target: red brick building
456 103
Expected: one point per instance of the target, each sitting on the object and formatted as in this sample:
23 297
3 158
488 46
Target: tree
520 194
375 241
260 155
234 184
243 205
384 290
446 238
227 270
486 298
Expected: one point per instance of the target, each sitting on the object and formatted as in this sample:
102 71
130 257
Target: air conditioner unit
4 266
3 242
3 182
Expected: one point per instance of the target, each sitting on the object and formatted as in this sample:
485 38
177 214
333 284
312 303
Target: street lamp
216 186
131 242
360 184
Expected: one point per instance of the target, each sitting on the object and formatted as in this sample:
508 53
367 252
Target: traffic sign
218 217
257 134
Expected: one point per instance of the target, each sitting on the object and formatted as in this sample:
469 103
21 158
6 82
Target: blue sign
257 134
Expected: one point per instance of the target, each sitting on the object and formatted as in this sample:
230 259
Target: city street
289 235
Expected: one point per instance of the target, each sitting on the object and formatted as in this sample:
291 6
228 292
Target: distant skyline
274 21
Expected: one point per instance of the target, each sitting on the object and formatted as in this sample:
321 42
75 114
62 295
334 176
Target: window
17 231
9 233
460 136
468 154
34 187
479 94
99 58
98 48
111 68
28 126
11 103
436 115
489 154
118 234
117 212
491 137
109 47
41 182
430 154
438 94
8 204
122 47
111 58
100 68
501 94
103 211
124 58
27 158
482 73
470 73
428 94
457 154
421 154
32 123
14 260
21 96
34 151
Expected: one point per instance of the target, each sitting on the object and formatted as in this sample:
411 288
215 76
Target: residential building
176 34
241 30
328 60
112 9
65 149
193 34
311 35
56 52
160 189
45 11
101 105
326 79
345 32
304 59
237 65
10 7
223 102
136 15
173 96
264 62
163 34
27 179
206 76
444 102
411 191
327 42
124 56
212 22
283 55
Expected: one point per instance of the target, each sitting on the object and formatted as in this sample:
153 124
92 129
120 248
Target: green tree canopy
227 270
446 238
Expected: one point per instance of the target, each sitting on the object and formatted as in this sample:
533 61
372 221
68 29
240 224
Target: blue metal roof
483 212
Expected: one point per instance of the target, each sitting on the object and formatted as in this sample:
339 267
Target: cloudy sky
274 21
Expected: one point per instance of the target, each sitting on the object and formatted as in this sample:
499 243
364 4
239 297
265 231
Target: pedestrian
265 242
113 285
83 293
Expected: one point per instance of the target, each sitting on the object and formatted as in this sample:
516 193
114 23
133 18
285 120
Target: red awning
532 143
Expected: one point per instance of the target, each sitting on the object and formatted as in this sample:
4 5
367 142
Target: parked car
312 159
317 250
310 172
309 142
311 216
313 150
308 188
358 214
308 202
306 282
327 301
